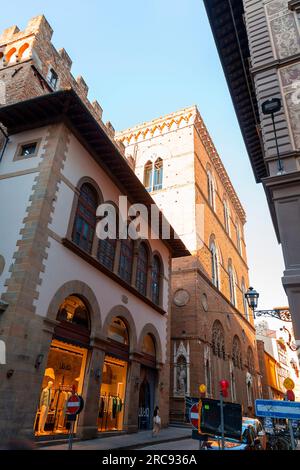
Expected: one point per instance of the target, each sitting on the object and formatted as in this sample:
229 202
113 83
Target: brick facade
182 141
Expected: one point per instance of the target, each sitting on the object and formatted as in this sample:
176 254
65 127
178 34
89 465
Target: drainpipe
5 143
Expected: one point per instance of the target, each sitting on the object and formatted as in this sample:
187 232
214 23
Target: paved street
130 441
186 444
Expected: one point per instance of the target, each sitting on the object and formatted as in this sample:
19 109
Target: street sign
73 405
277 409
289 384
194 415
202 388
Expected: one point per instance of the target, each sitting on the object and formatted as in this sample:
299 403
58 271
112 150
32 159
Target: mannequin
45 401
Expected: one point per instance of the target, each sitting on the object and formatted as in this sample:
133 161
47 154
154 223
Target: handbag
157 419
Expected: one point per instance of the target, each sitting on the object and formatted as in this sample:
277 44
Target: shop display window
65 370
112 395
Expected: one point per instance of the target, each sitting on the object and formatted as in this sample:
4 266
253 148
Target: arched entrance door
65 366
148 380
144 405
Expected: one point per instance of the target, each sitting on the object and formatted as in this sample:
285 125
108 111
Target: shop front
148 384
65 368
114 378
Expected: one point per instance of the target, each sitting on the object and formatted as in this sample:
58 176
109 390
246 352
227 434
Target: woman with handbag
156 422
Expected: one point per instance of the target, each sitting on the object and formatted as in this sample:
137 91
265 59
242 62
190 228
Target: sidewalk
126 441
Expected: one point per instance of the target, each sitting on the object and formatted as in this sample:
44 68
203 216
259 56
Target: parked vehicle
260 433
248 441
279 440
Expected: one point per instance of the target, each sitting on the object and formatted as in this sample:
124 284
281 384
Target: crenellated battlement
40 68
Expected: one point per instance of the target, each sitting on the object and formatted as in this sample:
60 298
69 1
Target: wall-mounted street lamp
252 299
269 108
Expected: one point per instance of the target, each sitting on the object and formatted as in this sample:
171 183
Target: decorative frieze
283 29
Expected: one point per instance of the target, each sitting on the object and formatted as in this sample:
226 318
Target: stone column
132 397
21 378
87 422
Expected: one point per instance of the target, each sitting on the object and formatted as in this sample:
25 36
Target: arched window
208 377
148 175
107 246
106 252
142 269
10 54
236 352
117 331
245 303
226 217
214 264
73 320
211 189
250 361
85 219
74 311
238 237
231 277
148 346
126 258
22 49
155 280
158 174
232 386
218 340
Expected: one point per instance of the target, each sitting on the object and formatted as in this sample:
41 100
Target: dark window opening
28 149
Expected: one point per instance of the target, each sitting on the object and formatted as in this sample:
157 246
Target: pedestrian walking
156 422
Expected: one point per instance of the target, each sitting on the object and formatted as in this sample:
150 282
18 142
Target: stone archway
83 291
151 330
94 355
123 313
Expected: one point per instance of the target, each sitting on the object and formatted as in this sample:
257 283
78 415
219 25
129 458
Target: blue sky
145 59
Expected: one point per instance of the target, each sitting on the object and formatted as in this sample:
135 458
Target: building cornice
149 127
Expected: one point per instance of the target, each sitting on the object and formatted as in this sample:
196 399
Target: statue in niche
181 376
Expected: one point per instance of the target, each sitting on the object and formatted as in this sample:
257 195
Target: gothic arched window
238 237
142 269
214 264
211 189
148 175
218 340
158 174
208 377
245 303
226 216
85 218
232 386
250 361
236 352
231 277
